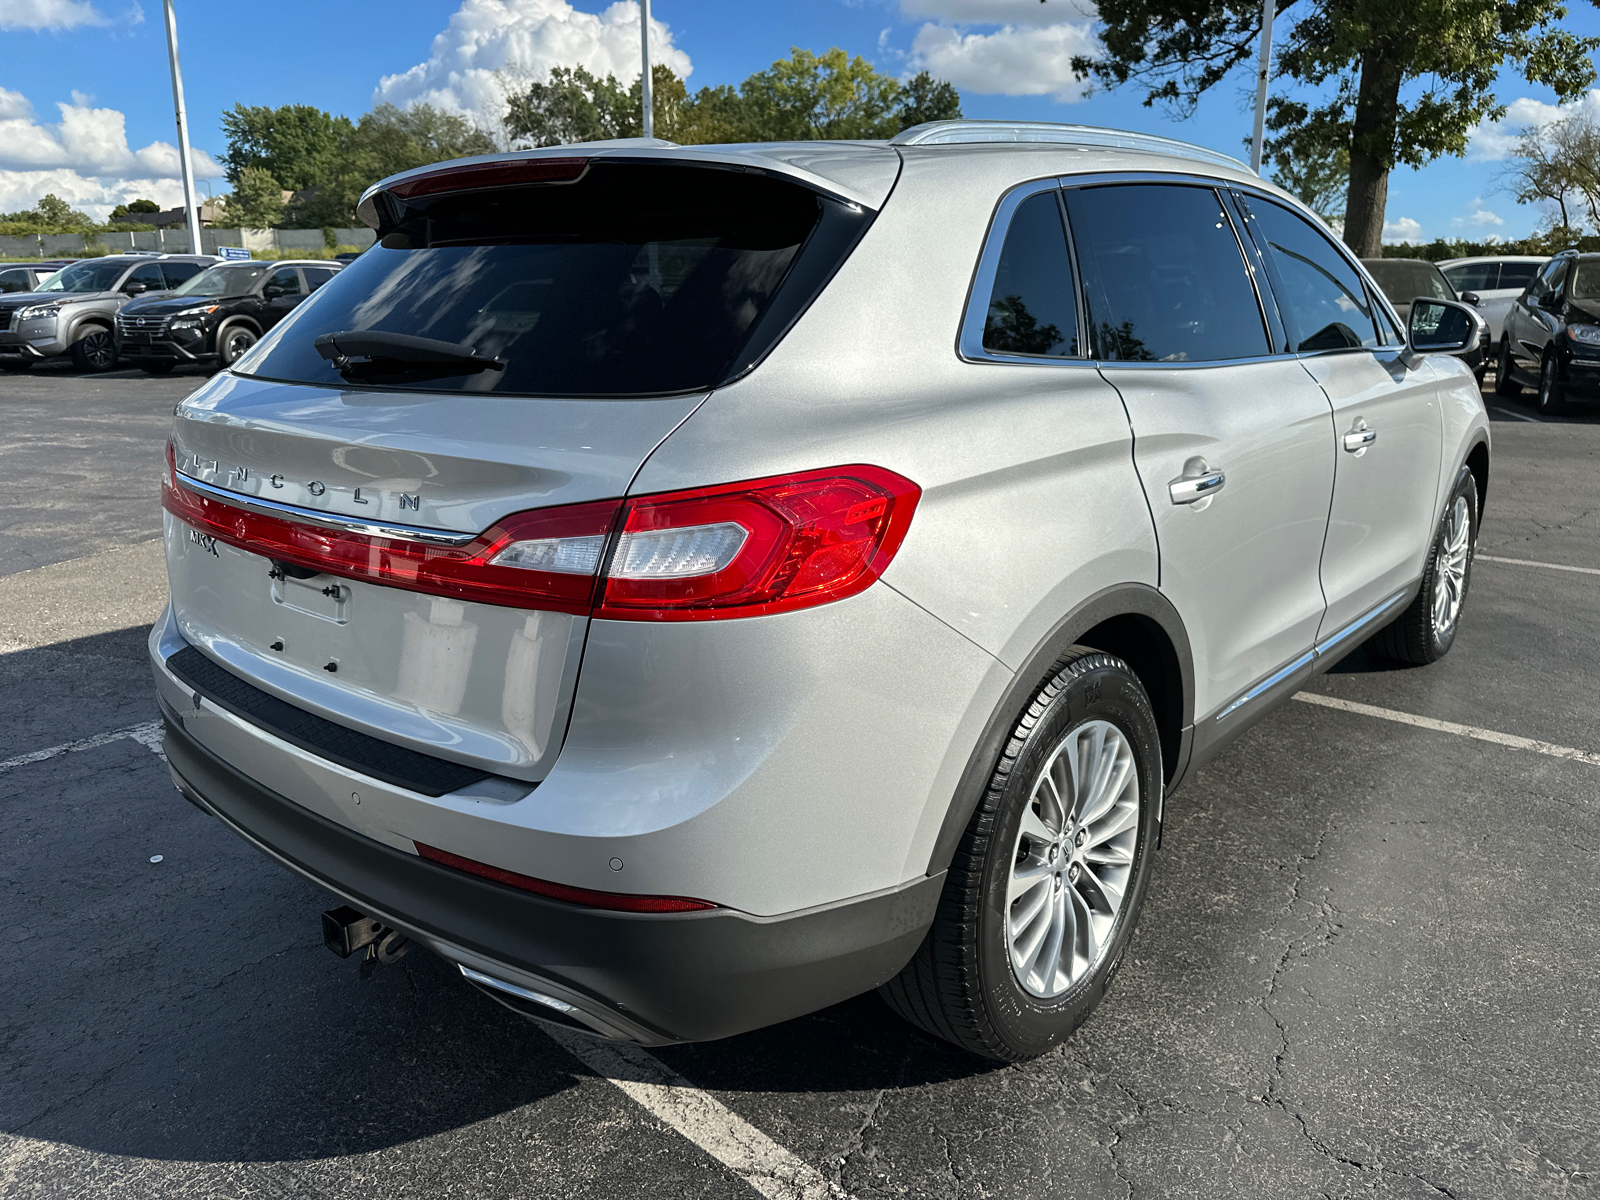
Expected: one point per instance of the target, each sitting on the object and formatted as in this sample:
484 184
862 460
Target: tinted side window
150 275
1032 309
1322 298
284 282
1517 275
15 281
177 272
1474 277
317 276
1164 276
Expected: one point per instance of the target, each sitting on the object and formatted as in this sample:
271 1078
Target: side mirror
1472 298
1441 327
1551 303
135 288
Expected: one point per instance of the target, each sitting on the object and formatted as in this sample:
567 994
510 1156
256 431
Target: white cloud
1493 141
1011 61
1477 215
525 37
84 158
1402 229
48 14
999 12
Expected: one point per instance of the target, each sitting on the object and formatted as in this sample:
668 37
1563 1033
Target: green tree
1319 183
385 141
821 96
1359 56
297 144
256 201
1559 165
138 206
925 98
56 212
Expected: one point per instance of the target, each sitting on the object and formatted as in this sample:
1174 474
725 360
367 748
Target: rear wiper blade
383 349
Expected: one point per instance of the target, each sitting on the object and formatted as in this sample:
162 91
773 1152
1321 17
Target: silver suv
687 587
73 311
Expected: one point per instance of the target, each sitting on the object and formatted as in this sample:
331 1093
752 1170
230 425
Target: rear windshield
1403 280
633 280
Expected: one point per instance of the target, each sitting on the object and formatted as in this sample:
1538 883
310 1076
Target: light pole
1268 10
644 80
192 208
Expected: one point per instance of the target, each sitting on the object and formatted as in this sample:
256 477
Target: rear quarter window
633 280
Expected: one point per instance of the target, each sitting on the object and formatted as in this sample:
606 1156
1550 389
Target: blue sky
86 106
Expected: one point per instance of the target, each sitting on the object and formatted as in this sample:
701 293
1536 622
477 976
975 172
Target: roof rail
951 133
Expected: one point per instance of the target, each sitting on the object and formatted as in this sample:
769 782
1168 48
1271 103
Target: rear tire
1046 857
95 351
1504 385
1427 629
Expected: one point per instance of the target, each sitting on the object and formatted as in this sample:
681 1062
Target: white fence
176 241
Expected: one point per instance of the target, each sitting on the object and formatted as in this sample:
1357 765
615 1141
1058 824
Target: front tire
1552 399
1427 629
95 351
1504 385
232 342
1048 880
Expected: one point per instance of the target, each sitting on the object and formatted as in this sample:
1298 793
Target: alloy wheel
99 351
1450 576
1073 859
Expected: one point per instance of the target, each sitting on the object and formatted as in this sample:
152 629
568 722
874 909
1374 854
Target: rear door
1530 325
1387 422
280 293
1233 443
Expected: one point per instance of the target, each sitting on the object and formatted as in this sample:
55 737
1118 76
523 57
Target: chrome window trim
272 508
969 342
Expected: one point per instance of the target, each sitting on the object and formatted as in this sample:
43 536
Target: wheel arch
239 319
1133 622
1478 463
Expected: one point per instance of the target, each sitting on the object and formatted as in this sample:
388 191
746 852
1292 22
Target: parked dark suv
72 311
1552 334
217 315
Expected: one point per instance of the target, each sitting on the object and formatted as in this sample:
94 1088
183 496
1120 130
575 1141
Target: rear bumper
655 979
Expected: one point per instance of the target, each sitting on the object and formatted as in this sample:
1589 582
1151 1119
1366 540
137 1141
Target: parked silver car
73 311
686 587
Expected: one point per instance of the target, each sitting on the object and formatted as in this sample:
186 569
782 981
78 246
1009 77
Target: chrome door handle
1188 490
1359 439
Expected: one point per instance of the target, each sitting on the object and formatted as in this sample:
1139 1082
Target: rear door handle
1189 489
1358 440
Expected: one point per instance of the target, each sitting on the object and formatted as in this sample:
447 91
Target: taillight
504 173
766 546
614 901
544 559
737 550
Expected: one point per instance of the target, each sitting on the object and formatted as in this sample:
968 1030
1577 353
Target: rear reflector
614 901
736 550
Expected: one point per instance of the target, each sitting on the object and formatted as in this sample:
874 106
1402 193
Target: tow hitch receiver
344 931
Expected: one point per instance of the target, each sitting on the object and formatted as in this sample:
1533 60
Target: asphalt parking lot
1366 966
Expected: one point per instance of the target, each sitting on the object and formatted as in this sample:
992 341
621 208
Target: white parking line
1466 731
1506 412
147 735
1528 562
767 1167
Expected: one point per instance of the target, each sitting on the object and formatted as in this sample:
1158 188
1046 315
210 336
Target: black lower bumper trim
680 977
372 756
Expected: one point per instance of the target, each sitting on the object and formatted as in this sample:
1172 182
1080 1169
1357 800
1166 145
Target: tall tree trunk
1371 152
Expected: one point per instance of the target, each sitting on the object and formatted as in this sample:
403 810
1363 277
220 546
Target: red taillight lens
544 559
766 546
615 901
737 550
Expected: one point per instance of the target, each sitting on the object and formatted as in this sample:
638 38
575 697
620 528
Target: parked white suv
1496 280
688 586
